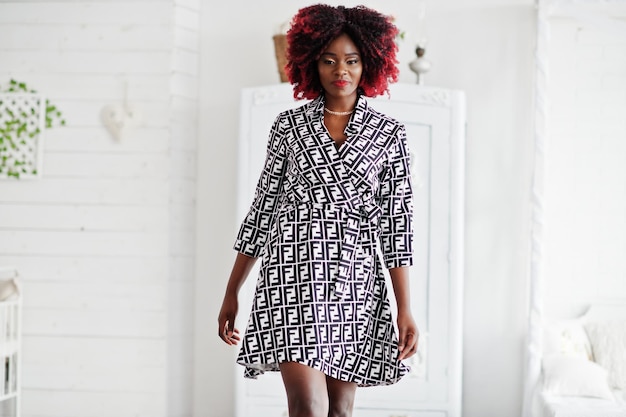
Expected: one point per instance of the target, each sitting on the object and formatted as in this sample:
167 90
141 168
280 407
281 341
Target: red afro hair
313 28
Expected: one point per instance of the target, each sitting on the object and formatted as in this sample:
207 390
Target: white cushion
608 340
566 338
571 376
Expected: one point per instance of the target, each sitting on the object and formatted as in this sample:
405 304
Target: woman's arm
407 329
254 229
396 201
230 305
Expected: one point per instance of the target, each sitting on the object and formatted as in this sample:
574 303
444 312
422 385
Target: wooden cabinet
435 122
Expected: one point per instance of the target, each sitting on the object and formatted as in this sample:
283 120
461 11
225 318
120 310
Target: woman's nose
341 69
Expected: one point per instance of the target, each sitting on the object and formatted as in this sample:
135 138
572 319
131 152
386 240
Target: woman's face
340 68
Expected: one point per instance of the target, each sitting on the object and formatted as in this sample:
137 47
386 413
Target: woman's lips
340 83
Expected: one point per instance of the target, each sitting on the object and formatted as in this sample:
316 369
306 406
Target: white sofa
584 365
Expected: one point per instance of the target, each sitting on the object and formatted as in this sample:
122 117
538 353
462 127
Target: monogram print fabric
319 219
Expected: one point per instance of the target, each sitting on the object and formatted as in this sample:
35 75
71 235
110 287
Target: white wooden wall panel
90 62
61 377
93 403
103 86
95 139
184 86
121 13
112 270
62 323
184 163
86 113
96 296
83 217
186 38
83 353
28 242
105 240
78 36
99 165
183 192
68 191
185 135
183 119
186 15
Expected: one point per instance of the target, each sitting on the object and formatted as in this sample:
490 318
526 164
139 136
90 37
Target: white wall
585 185
482 47
104 242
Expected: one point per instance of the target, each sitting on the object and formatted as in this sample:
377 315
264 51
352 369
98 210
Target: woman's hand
226 320
409 335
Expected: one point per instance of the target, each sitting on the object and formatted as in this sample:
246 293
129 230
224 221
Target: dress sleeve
256 225
396 201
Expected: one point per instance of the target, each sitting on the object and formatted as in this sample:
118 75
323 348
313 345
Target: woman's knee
306 390
340 409
341 397
307 406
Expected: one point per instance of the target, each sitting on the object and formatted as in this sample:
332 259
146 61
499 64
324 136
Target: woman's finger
230 335
409 347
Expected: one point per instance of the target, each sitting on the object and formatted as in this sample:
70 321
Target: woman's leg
341 397
306 390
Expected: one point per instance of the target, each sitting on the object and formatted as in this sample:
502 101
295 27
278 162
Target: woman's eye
328 62
353 61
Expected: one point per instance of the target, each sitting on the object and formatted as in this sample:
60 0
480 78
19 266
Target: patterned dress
318 216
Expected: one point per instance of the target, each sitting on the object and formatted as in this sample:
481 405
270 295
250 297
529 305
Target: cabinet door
434 120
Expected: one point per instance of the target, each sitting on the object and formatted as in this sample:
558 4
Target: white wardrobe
435 122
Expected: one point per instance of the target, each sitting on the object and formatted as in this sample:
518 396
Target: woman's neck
341 104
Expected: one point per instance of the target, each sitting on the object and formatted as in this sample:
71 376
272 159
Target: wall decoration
24 115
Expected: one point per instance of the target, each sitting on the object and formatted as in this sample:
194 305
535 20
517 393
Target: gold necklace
338 113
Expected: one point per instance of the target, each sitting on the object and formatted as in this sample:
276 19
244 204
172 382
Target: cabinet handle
398 415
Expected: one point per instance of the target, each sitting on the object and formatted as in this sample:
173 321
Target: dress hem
254 370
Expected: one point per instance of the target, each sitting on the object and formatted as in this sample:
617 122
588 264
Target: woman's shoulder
383 118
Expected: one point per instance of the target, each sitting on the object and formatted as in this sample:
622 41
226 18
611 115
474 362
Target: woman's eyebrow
334 54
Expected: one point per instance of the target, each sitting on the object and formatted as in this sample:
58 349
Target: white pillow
566 338
608 340
569 376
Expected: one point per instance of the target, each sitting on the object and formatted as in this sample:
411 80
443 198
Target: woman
335 187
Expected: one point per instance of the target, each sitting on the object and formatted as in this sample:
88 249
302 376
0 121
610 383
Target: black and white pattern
318 215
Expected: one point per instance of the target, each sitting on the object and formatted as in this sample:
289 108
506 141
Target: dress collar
316 111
